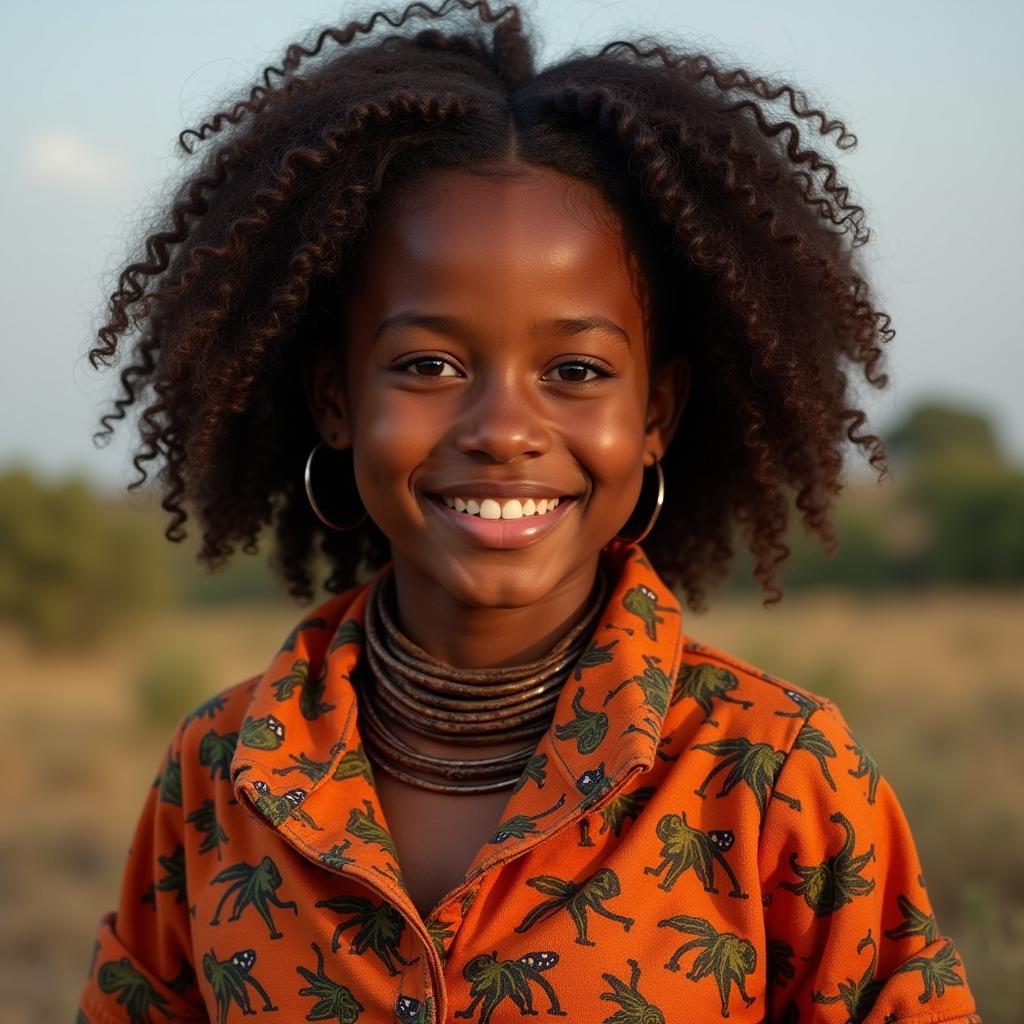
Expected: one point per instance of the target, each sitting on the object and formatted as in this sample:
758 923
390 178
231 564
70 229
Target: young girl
479 330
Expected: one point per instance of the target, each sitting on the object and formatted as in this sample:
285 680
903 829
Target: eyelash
582 361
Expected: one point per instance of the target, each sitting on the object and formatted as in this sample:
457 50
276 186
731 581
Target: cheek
393 437
608 442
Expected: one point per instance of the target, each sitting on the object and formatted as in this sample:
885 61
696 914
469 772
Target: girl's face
497 349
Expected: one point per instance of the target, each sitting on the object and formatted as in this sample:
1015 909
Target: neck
472 636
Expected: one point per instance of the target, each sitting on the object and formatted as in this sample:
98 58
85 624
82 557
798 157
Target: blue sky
95 95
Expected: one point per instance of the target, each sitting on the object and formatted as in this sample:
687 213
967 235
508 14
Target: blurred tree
73 564
935 431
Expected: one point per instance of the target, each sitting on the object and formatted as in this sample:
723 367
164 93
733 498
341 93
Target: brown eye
578 371
434 364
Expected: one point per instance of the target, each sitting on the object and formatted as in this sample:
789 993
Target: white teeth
510 508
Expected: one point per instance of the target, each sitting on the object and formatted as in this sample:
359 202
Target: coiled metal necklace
397 681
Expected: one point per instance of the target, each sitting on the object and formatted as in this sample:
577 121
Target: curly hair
750 248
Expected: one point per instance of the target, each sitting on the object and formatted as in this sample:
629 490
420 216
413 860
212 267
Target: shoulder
205 739
736 698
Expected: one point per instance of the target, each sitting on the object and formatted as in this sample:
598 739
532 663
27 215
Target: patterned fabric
693 839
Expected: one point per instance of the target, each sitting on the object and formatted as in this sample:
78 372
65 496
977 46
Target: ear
326 396
670 389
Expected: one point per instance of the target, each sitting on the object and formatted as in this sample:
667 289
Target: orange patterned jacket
693 839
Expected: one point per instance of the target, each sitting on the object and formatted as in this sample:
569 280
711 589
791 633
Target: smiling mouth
502 508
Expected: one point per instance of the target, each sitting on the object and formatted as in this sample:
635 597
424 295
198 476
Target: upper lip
499 489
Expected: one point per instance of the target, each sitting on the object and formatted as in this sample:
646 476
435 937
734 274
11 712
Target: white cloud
66 158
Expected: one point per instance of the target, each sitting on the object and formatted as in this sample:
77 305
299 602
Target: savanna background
108 632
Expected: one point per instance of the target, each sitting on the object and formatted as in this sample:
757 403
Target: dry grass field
933 686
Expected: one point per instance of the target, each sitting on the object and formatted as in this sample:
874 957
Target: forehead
539 233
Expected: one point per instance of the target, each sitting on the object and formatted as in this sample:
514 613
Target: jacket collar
300 763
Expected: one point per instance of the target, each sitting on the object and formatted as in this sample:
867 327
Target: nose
501 421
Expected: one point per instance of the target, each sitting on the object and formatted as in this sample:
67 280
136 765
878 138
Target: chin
493 579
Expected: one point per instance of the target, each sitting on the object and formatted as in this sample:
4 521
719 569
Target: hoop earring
659 499
313 501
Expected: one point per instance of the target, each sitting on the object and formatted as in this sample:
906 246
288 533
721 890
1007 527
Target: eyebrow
562 326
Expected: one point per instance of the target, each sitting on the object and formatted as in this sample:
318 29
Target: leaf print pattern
310 689
858 997
535 771
133 991
588 728
706 683
228 980
576 900
253 885
635 1009
380 928
494 981
216 752
686 847
263 876
727 957
755 764
832 884
263 733
333 999
594 655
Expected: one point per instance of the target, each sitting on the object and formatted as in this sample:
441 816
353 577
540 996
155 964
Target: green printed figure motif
915 922
170 781
440 932
866 765
311 689
254 885
588 728
278 807
857 997
595 654
623 806
493 981
335 1001
204 818
216 752
134 992
707 683
756 764
535 770
634 1008
263 733
350 632
818 745
336 858
643 602
208 709
577 899
353 764
521 825
313 770
936 972
174 880
380 928
724 955
364 825
835 882
228 980
685 847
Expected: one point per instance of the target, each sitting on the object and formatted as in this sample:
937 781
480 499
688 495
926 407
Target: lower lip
502 533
